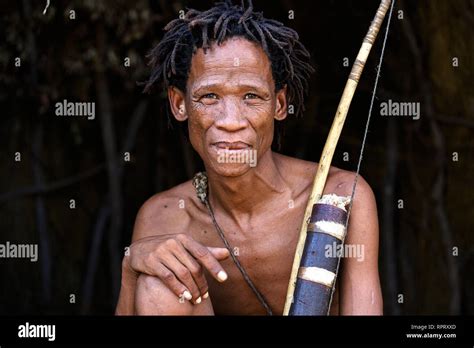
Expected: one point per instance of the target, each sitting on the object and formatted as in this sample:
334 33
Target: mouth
237 145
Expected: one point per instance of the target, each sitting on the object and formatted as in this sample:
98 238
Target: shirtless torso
266 242
231 106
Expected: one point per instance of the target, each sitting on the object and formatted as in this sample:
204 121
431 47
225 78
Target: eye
251 96
209 96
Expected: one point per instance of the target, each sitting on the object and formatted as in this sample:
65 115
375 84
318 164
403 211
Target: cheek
199 121
266 138
262 121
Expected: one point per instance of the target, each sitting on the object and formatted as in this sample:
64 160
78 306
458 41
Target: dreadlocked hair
171 58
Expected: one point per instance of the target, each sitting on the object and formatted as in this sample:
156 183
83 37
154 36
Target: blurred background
75 192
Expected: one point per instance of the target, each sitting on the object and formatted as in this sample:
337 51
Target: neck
248 194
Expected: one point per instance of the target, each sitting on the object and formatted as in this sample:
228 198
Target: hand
178 261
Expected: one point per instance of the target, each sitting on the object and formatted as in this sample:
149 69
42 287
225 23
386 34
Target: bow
325 163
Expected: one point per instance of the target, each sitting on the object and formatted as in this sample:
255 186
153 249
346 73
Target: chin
231 163
230 169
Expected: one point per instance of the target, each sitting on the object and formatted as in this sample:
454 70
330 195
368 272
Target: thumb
219 253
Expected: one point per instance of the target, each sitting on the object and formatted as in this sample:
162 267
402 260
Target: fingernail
222 276
187 295
206 295
198 301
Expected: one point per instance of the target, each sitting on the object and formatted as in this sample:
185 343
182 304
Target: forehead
236 59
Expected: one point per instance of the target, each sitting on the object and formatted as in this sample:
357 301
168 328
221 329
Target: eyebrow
208 86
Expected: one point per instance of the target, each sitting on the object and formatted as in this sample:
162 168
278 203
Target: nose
231 118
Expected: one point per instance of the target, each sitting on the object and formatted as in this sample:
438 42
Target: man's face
230 105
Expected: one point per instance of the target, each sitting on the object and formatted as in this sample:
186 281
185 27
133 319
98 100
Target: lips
236 145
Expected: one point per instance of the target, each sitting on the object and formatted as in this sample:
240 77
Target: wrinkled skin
178 264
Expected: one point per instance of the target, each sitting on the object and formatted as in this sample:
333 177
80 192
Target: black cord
200 183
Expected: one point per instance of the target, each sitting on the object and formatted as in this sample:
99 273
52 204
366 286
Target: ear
176 99
281 105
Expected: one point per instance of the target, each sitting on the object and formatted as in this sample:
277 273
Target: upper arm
360 291
157 216
163 213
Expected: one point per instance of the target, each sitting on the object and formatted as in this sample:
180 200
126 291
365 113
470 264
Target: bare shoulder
363 221
339 181
165 212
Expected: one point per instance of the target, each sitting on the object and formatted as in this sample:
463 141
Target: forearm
361 299
126 301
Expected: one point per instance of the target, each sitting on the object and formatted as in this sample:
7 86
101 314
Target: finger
183 275
195 268
169 279
204 257
219 253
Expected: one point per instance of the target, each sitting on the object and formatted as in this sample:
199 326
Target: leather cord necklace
201 186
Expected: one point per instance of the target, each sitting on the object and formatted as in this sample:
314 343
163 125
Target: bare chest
265 250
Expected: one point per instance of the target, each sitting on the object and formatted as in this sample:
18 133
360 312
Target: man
229 73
